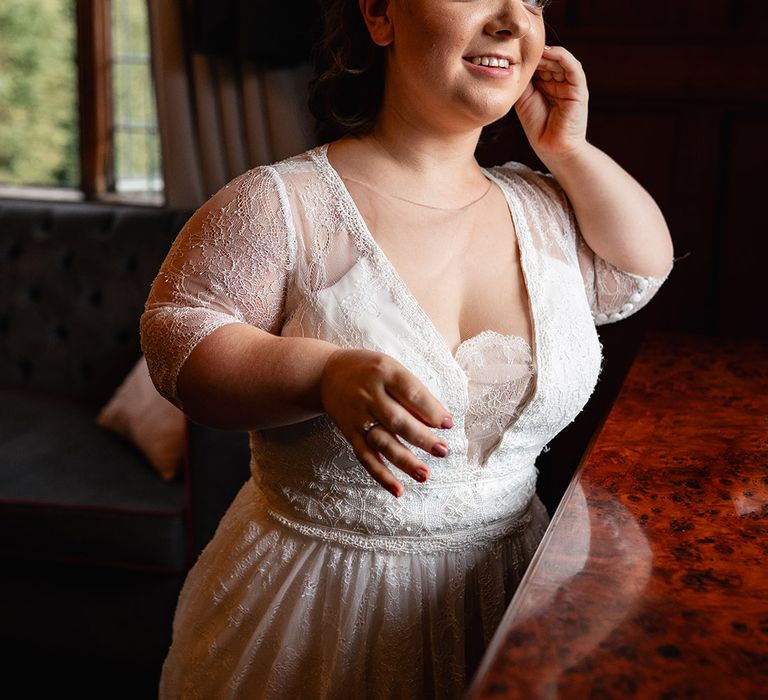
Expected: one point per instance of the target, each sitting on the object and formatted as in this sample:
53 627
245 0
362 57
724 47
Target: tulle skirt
268 612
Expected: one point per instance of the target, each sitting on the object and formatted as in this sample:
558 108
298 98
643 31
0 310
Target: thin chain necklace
420 204
378 143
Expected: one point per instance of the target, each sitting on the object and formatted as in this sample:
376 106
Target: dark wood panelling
685 71
743 232
692 209
687 14
752 13
672 18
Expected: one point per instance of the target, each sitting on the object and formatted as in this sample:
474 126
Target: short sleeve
612 293
230 264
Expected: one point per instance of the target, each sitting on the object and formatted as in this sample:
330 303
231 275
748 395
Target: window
38 94
77 107
134 127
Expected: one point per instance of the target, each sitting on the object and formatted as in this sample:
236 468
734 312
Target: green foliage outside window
38 93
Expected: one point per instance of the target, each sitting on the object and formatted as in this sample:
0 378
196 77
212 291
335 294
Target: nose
509 20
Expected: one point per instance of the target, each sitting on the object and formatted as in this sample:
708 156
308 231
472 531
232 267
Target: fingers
407 390
389 447
375 466
378 442
560 65
399 421
358 387
393 421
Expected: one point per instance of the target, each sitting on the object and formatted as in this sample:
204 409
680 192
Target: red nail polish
422 475
440 450
447 422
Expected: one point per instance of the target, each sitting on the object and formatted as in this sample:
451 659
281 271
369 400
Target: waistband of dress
474 536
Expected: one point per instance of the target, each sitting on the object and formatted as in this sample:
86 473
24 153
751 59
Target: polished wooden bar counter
652 579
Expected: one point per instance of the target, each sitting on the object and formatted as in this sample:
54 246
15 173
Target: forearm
243 378
618 219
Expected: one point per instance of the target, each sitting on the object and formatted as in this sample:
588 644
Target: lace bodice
284 248
499 373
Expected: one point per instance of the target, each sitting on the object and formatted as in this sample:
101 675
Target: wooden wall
678 96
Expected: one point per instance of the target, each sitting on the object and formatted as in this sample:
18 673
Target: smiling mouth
490 61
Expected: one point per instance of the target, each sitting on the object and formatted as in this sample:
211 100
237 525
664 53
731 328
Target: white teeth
491 61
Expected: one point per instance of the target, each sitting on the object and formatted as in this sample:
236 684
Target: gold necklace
420 204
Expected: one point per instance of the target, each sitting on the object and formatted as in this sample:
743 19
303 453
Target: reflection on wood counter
652 580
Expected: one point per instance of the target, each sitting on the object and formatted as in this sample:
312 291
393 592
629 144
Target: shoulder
252 201
264 180
525 180
302 165
537 198
540 192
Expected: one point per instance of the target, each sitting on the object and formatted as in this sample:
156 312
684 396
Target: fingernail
547 48
440 450
422 475
395 491
447 422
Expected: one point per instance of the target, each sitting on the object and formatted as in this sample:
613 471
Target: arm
617 218
243 378
210 335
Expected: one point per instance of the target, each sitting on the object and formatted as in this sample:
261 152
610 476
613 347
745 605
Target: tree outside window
77 107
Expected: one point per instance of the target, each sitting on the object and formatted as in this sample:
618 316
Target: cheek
529 68
533 51
536 37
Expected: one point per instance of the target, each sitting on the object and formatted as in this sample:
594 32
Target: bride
402 332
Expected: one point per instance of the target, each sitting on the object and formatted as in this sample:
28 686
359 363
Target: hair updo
346 93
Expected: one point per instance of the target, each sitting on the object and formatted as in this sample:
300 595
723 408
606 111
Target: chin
481 118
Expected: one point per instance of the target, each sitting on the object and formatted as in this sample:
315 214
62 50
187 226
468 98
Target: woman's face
441 56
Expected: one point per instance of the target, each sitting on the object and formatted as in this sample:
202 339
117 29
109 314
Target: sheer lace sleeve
613 294
229 264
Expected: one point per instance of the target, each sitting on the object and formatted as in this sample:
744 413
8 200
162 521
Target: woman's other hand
553 107
375 402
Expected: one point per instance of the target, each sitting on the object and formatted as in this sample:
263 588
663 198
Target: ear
376 15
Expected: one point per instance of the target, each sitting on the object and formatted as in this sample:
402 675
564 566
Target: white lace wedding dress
318 583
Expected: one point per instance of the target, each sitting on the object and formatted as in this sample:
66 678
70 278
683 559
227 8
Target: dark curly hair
346 93
347 90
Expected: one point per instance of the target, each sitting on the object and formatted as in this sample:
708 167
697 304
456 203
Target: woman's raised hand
553 107
375 402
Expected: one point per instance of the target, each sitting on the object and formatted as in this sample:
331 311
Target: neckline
490 335
419 204
378 253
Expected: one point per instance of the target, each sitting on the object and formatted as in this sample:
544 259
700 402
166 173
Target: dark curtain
270 34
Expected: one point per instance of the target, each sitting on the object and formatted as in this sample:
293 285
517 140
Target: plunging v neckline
378 252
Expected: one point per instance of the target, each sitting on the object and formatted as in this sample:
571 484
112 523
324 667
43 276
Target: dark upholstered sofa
94 545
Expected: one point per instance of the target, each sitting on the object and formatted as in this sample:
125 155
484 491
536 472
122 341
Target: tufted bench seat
82 510
73 279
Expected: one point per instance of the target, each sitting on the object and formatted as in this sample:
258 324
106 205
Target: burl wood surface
652 580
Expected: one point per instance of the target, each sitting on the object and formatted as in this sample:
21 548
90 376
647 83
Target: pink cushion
141 415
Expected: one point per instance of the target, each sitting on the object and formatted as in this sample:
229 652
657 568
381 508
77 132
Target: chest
369 307
462 268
